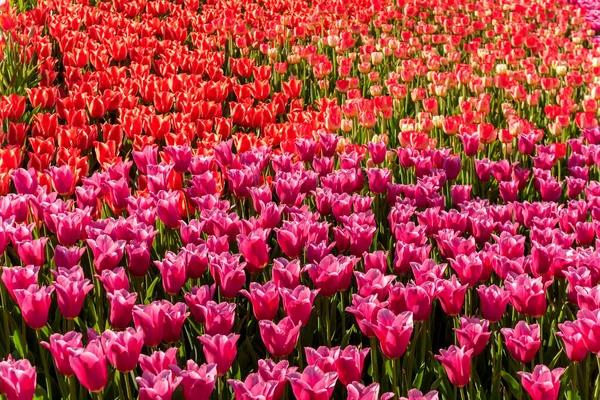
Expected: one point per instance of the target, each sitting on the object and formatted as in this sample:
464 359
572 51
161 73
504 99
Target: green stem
574 382
44 364
588 367
597 390
374 359
327 321
72 388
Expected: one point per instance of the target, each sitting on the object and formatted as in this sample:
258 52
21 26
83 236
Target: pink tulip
588 323
527 295
158 361
278 372
349 364
159 386
172 271
286 274
323 357
298 303
279 339
373 282
332 274
59 348
473 334
543 383
493 301
573 341
417 299
121 308
414 394
17 379
358 391
123 348
452 295
228 274
198 382
89 365
254 249
219 317
114 280
151 320
264 299
67 257
313 383
393 331
32 252
220 350
365 309
175 316
457 362
523 342
70 295
107 252
34 303
19 278
469 268
197 300
253 387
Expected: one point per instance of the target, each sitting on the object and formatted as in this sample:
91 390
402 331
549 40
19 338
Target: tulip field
300 199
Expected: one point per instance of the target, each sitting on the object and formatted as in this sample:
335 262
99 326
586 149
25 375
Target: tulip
264 299
349 364
286 274
19 278
573 341
254 249
414 394
493 301
452 295
107 252
588 323
67 257
473 334
114 280
219 317
34 303
159 386
89 365
279 339
17 379
158 361
543 383
298 303
59 348
253 388
197 300
332 274
313 383
172 271
527 295
70 295
32 252
123 348
270 371
358 391
198 382
457 362
393 331
151 320
220 350
523 342
121 307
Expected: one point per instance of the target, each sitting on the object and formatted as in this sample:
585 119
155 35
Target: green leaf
150 290
512 383
18 341
40 393
555 359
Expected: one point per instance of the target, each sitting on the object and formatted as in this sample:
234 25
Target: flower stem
374 359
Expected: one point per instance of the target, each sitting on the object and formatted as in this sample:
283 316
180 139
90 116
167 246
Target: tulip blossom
123 348
543 383
89 365
313 383
523 341
280 339
393 331
457 362
220 350
17 379
34 303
